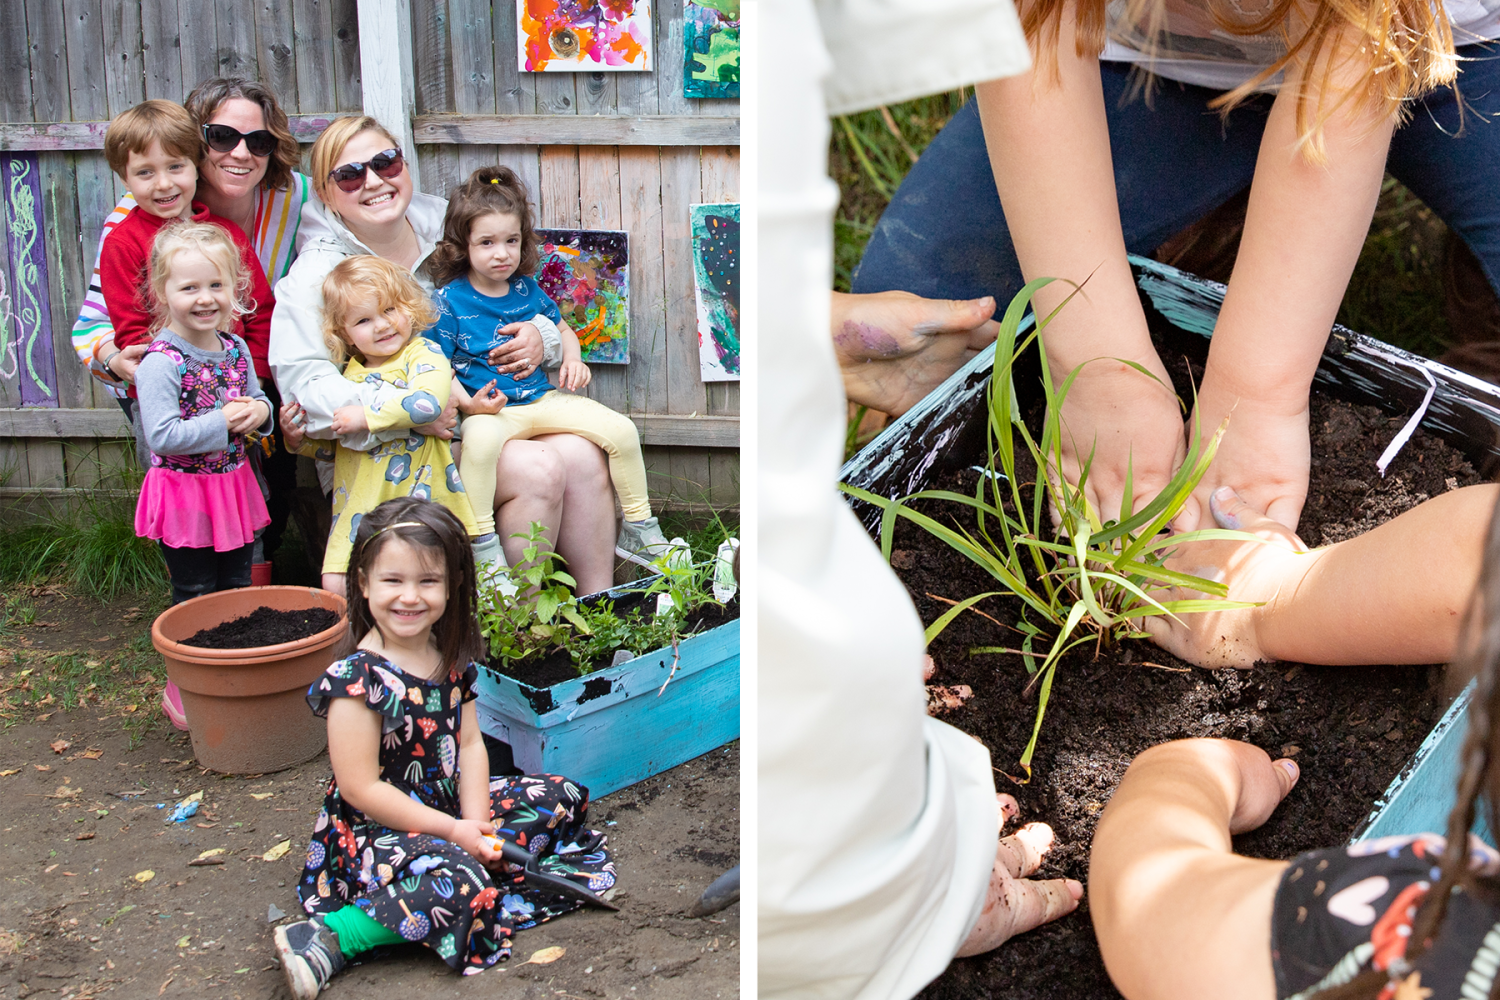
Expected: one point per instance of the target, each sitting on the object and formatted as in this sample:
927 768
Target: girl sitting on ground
402 850
482 269
374 313
199 396
1179 915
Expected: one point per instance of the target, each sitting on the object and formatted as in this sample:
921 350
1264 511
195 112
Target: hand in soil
1254 571
1265 456
1014 904
894 347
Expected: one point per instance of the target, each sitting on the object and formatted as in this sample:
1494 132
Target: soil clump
264 627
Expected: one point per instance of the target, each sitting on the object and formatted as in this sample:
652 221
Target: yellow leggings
484 435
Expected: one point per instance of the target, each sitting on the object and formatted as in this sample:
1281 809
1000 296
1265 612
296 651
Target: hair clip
494 180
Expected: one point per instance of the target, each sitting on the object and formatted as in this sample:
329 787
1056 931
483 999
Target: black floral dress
423 887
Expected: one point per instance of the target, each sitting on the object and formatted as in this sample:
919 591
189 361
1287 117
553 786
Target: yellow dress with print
410 389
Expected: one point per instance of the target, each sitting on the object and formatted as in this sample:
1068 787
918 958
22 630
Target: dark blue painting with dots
716 274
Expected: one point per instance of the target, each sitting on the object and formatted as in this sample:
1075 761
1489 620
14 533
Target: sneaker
642 543
310 957
490 564
171 703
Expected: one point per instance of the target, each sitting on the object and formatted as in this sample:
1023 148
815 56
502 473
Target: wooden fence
599 150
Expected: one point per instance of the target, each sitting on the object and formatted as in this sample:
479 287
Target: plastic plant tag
725 585
664 603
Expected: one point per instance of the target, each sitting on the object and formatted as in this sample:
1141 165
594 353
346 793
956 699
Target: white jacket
297 353
877 824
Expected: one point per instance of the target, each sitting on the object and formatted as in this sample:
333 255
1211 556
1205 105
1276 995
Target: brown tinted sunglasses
350 177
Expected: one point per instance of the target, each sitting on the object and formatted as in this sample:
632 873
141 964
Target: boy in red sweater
155 147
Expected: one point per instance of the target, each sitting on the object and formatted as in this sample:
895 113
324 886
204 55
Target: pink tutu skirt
189 510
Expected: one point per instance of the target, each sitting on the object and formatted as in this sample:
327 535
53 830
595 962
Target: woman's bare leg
1178 914
530 480
588 512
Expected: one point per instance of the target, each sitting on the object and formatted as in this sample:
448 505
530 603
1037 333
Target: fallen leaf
9 772
545 956
277 852
92 663
42 767
92 753
64 792
205 826
183 941
71 874
241 972
145 876
87 835
130 708
48 869
260 796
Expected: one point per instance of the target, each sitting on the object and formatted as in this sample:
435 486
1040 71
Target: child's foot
310 957
643 543
171 703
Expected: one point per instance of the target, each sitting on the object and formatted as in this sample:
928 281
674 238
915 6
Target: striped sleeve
277 216
92 327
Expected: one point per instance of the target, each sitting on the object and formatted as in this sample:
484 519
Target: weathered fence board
594 149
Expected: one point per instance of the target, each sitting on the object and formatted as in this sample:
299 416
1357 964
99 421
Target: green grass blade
936 628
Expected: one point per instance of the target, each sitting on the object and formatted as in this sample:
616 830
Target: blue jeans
944 236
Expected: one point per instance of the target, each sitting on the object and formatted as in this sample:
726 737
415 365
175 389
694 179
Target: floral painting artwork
711 47
583 36
587 273
716 277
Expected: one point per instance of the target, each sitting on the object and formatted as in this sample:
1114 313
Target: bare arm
1395 594
473 768
1048 142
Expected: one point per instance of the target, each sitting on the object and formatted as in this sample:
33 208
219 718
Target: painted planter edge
614 727
1464 411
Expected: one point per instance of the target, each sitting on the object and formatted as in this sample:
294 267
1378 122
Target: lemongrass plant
1088 580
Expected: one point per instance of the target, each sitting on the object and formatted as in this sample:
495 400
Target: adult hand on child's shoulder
894 347
125 364
522 353
1014 903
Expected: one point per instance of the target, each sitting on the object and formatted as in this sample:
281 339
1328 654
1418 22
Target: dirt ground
101 899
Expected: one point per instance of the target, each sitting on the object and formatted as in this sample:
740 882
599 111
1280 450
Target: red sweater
123 264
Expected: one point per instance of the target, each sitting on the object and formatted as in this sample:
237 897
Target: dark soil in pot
1350 728
557 666
264 627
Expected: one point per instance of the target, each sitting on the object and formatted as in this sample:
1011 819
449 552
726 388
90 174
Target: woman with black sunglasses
248 175
368 205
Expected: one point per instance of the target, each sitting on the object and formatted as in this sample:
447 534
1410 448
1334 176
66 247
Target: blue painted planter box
617 726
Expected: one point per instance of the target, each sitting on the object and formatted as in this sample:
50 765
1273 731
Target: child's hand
244 414
486 400
349 419
574 375
471 834
293 424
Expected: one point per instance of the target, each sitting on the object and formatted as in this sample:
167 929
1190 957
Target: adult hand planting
1265 454
894 348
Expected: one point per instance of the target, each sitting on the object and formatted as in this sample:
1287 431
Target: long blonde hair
1398 49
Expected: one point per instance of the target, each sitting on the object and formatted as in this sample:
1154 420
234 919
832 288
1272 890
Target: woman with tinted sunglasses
247 174
369 206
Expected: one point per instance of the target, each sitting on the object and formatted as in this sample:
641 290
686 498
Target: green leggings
357 930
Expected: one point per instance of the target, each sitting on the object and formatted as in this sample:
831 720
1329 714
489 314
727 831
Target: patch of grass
92 545
127 682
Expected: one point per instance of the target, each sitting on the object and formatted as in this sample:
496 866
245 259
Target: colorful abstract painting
711 46
716 276
583 36
587 273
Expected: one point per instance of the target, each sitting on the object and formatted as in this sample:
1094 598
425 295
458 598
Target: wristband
106 361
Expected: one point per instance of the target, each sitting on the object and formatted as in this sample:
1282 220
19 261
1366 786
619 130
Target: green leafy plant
1089 580
543 614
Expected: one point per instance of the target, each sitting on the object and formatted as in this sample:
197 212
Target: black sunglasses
224 139
351 176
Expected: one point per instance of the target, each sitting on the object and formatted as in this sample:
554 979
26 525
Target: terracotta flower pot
246 708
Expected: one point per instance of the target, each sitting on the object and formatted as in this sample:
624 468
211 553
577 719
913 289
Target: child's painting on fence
583 36
587 273
716 278
711 47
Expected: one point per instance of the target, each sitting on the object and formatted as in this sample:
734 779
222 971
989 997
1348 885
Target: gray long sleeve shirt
158 387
